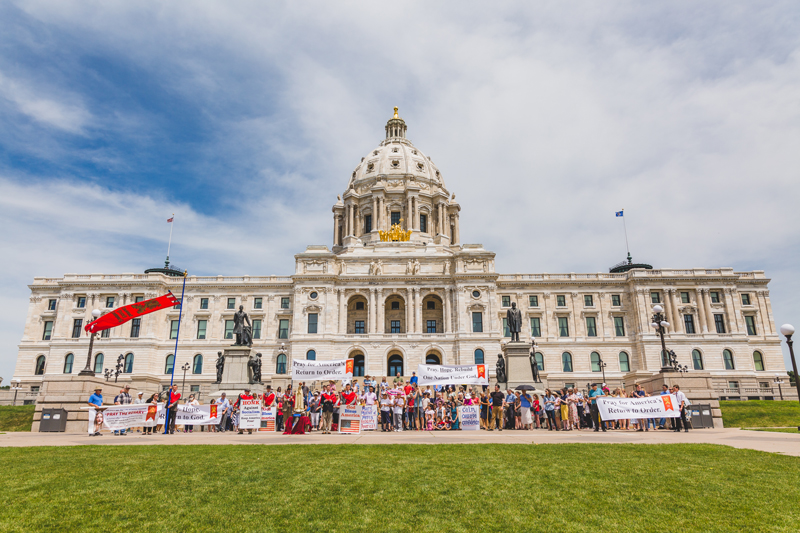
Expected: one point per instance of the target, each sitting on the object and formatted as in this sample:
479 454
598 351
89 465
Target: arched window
68 360
128 368
395 365
539 361
595 359
280 367
39 365
727 358
478 356
697 360
758 360
358 365
197 364
432 359
624 362
311 355
169 364
566 361
98 363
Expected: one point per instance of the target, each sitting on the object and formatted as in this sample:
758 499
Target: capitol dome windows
395 163
420 166
370 167
423 223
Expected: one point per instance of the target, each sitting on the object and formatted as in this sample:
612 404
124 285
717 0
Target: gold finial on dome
395 112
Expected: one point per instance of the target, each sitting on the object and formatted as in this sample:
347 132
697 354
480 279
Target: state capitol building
398 288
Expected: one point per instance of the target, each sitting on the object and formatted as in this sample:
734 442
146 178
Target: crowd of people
406 406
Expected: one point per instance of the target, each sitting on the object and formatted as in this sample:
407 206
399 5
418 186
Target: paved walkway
784 443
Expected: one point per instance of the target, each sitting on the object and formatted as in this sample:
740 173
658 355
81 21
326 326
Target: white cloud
69 117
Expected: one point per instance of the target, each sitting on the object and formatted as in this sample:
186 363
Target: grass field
776 430
760 413
16 418
398 488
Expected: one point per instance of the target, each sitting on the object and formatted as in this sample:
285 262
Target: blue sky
247 119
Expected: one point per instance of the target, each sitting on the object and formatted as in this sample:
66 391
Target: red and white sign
369 418
267 419
665 406
452 375
250 414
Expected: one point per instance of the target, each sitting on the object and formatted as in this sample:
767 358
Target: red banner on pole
131 311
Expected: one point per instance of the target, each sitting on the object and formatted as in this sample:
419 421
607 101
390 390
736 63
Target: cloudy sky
247 118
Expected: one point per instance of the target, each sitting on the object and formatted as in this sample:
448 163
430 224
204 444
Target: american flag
350 426
171 218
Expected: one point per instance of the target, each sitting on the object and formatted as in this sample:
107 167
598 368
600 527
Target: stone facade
392 305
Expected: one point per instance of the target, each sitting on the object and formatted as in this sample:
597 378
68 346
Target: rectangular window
764 385
51 305
588 300
312 322
684 297
506 331
561 300
477 322
395 217
138 299
256 329
283 328
367 223
536 330
284 303
203 303
109 301
688 322
719 322
359 306
360 327
231 303
201 329
745 299
619 326
431 326
714 297
173 329
229 329
194 388
257 303
136 325
563 327
506 301
533 301
616 301
395 326
106 333
48 330
655 297
423 223
591 327
395 306
431 304
733 385
76 328
81 301
750 321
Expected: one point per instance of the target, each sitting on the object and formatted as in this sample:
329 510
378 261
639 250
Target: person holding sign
594 394
244 396
328 401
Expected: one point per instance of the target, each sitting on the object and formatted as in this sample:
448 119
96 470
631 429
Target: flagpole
625 227
169 244
175 354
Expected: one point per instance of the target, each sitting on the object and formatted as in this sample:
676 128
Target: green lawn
760 413
16 418
414 488
777 430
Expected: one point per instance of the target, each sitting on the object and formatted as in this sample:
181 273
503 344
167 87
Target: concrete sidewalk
784 443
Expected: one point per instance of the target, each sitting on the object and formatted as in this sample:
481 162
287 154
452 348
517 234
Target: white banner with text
250 414
469 416
665 406
452 375
303 370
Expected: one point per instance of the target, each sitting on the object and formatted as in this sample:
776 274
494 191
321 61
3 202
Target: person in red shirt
328 402
349 395
244 396
408 388
174 398
269 397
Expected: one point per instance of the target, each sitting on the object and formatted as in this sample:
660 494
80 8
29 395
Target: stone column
350 218
379 323
575 321
601 315
730 310
709 313
372 315
644 311
701 310
447 327
374 213
441 219
409 309
763 315
457 234
668 310
676 314
544 324
342 312
417 312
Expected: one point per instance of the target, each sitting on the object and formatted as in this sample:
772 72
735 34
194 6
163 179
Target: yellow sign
396 233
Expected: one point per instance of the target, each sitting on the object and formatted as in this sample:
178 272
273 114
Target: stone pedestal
235 374
518 367
71 392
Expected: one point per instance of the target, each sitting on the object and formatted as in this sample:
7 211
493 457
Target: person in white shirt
399 403
683 402
369 396
386 412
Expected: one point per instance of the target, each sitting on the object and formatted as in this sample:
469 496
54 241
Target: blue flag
619 213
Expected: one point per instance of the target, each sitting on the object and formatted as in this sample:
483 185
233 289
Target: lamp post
87 370
660 325
778 381
788 330
15 388
602 366
185 367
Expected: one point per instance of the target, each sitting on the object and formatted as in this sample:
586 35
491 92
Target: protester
152 400
96 401
172 405
593 395
498 402
328 402
314 408
683 402
223 412
189 428
550 409
399 405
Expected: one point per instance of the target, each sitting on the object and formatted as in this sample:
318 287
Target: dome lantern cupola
395 127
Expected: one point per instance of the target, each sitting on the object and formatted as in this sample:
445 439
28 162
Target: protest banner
664 406
268 415
369 418
350 419
303 370
452 375
118 417
198 415
470 417
249 414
